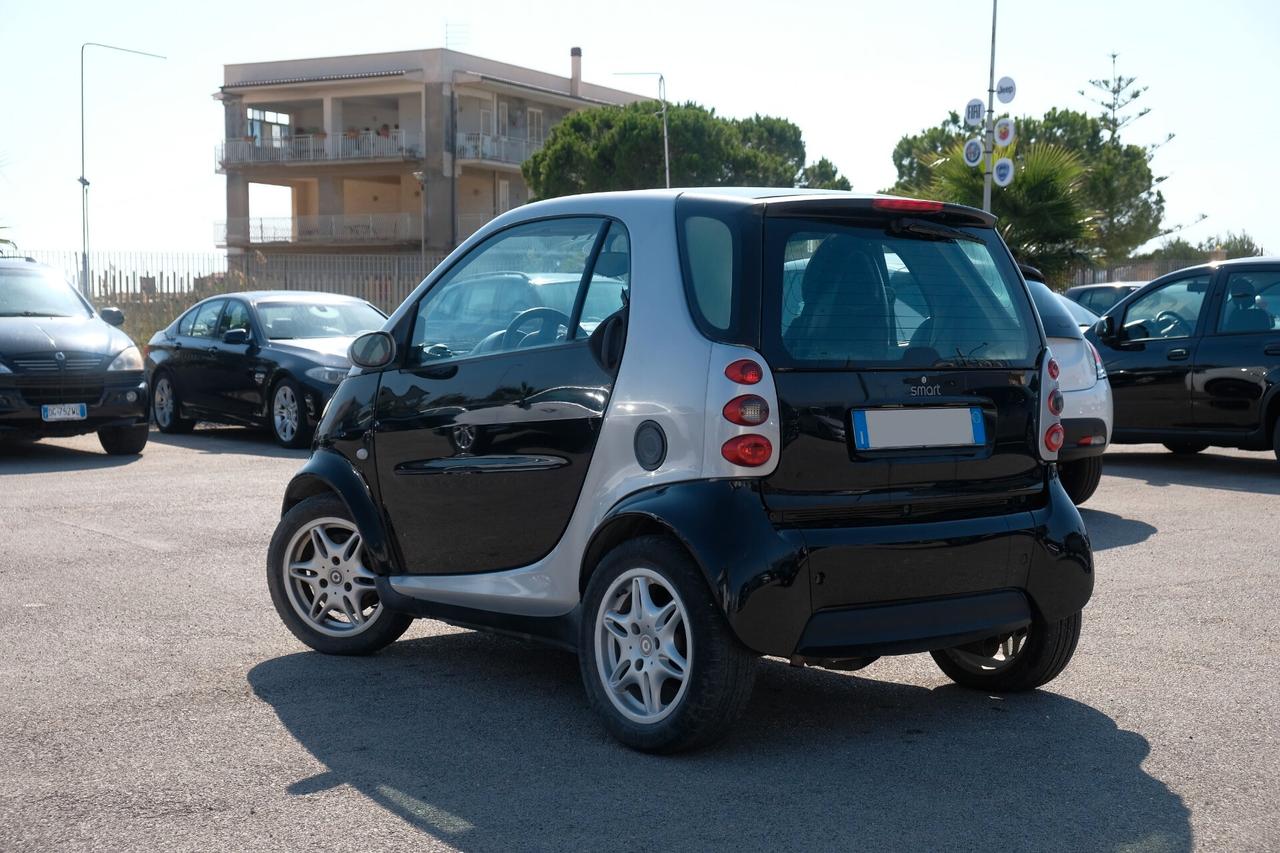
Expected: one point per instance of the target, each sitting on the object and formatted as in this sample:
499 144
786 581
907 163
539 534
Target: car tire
1081 477
166 407
287 415
1044 652
1275 439
302 581
1185 448
679 631
124 440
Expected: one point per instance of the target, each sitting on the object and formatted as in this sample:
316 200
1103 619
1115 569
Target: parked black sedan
268 358
64 367
1194 358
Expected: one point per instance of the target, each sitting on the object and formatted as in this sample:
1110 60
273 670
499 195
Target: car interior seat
845 314
1243 313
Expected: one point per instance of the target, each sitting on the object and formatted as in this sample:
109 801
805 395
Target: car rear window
1054 316
845 295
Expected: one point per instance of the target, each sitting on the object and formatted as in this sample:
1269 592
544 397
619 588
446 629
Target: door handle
1272 349
1179 354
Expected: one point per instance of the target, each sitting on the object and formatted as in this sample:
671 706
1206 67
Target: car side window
1170 312
235 317
184 325
610 284
1250 303
516 290
205 321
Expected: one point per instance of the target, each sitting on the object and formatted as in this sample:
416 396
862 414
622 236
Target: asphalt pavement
150 699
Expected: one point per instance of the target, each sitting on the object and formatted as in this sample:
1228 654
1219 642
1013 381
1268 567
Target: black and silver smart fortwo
678 430
65 369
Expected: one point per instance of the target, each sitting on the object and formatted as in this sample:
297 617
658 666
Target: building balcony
366 229
319 148
485 147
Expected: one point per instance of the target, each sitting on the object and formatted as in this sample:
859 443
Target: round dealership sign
1002 172
1006 89
973 152
973 113
1005 132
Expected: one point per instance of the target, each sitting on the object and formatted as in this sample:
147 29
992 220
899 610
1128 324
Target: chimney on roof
575 76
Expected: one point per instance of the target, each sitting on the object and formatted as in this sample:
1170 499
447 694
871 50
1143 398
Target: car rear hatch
906 356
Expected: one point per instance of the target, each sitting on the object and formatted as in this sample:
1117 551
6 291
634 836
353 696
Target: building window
504 115
535 126
267 127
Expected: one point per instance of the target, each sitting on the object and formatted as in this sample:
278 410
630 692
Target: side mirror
114 316
1106 328
372 350
237 337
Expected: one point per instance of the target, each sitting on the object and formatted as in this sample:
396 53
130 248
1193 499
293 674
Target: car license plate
888 429
65 412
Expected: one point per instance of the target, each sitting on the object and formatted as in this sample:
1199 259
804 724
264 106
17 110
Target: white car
1087 406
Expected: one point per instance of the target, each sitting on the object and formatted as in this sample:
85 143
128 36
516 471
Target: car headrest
839 260
612 264
1242 290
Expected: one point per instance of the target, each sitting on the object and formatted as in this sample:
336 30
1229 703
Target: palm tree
1042 215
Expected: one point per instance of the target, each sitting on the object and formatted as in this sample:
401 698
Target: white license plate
65 412
887 429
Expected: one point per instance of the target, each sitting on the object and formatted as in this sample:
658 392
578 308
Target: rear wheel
320 583
289 422
166 408
1024 660
124 441
659 662
1275 439
1185 448
1080 478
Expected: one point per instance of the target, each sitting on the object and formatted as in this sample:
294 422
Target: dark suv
818 426
1194 358
64 367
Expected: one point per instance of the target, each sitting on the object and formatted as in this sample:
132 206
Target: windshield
38 293
843 296
1082 315
284 321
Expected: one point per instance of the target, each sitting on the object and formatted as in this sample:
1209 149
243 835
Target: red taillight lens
750 451
744 371
747 410
1053 437
1054 370
1099 368
907 205
1055 401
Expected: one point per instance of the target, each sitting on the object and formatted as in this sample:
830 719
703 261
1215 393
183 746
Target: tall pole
989 135
84 182
662 96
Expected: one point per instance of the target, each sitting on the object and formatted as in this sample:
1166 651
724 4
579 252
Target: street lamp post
84 182
662 96
989 136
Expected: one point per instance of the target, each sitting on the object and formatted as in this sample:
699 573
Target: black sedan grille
46 363
47 390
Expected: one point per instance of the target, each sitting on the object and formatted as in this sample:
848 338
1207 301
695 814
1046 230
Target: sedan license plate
64 412
889 429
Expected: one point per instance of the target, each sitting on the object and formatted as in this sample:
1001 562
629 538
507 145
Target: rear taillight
907 205
747 410
1099 368
1053 438
1054 370
749 451
1055 402
744 371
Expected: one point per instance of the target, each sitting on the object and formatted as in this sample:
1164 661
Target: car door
194 357
484 434
1239 356
1149 361
235 371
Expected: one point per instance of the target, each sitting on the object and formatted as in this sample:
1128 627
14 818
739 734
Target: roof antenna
455 35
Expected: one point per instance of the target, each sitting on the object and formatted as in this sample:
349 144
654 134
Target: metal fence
1138 271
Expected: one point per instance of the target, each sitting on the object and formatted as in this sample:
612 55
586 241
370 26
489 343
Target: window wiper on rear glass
905 226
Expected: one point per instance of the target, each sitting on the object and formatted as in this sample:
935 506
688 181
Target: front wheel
124 441
166 408
1081 478
659 662
1185 448
289 423
1024 660
321 586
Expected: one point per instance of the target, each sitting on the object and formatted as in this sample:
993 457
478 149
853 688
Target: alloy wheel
993 655
284 413
162 402
326 580
643 647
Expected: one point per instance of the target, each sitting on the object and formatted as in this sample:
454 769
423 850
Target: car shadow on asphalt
487 744
41 458
229 439
1108 530
1207 470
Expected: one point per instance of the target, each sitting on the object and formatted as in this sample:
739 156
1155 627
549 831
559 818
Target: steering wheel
550 320
1173 325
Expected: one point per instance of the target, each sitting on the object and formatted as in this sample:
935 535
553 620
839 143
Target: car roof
260 296
24 263
1107 284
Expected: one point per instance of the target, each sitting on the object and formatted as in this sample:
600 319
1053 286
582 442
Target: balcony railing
337 229
309 148
501 149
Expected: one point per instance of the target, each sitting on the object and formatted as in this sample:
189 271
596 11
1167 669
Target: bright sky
854 76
